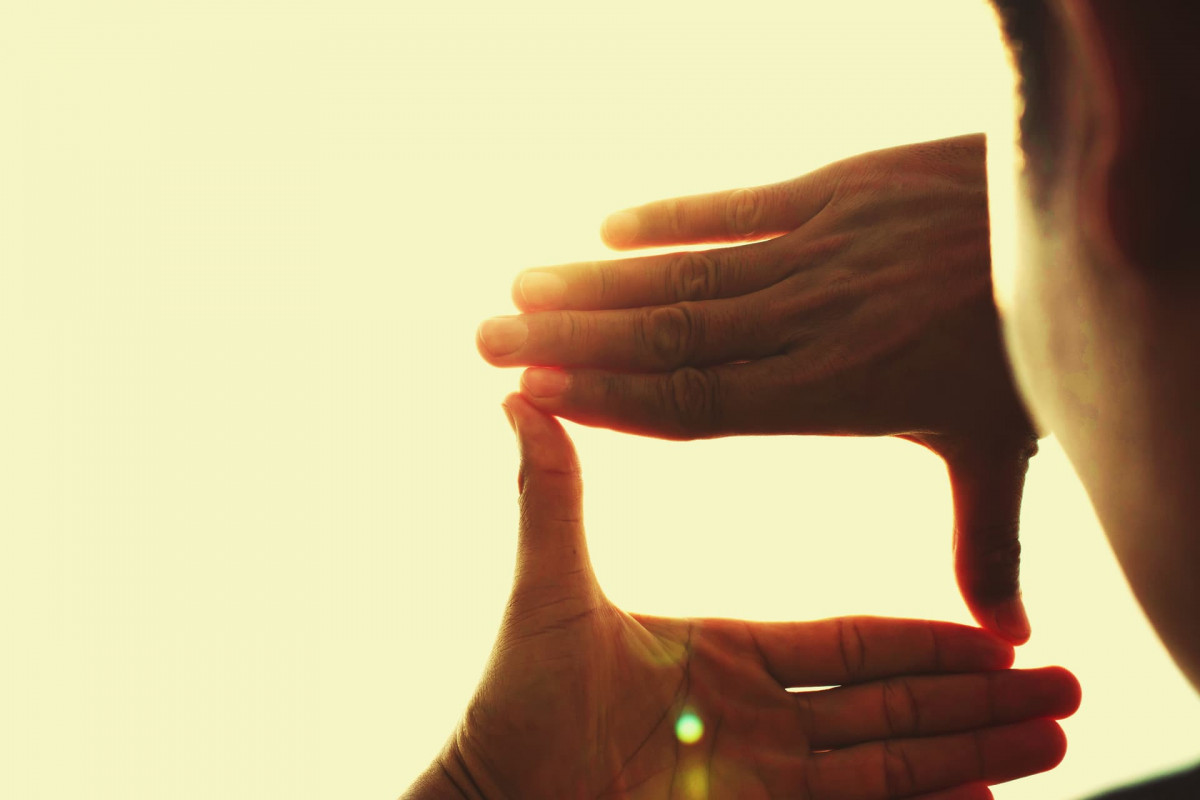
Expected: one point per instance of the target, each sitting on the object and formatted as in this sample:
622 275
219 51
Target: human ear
1138 129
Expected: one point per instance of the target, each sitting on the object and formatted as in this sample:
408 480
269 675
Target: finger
683 404
655 339
987 488
967 791
726 216
849 650
652 280
703 402
931 705
551 545
904 767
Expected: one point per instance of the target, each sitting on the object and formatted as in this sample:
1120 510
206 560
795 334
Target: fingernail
620 227
544 382
512 423
1012 620
543 289
503 335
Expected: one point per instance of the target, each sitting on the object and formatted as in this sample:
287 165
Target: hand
583 700
869 314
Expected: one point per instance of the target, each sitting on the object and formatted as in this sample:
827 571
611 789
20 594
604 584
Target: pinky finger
734 215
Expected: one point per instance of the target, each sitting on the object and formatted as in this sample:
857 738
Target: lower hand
584 700
870 313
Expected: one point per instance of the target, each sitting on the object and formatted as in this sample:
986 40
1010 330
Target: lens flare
688 728
695 783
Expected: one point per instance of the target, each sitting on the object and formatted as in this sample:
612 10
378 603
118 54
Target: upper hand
870 312
583 700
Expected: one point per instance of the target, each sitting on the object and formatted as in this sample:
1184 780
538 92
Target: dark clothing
1177 786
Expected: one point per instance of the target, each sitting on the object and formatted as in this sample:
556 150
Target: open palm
584 700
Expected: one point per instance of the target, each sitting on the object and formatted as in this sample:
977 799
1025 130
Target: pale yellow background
257 497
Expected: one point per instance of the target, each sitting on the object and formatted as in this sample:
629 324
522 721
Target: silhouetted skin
1104 322
1102 330
581 699
852 322
869 313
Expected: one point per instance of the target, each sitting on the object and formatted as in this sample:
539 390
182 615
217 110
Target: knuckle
898 774
690 396
670 334
900 710
572 327
743 212
980 756
692 276
828 248
608 281
1004 552
806 785
672 216
808 720
612 390
995 564
851 647
992 692
935 645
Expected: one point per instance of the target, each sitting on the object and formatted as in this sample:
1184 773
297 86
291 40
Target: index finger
733 215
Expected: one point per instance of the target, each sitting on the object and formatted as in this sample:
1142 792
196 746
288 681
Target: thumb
551 547
987 490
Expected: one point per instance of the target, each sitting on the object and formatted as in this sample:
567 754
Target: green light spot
689 728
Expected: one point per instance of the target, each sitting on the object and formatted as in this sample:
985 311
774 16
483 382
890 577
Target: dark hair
1034 39
1153 202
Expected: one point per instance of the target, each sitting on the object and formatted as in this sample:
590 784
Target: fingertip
1021 749
1013 621
1069 689
1052 739
543 385
1000 653
538 290
517 408
1009 655
518 296
1055 739
512 423
620 230
479 348
542 438
1037 745
1007 620
967 649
